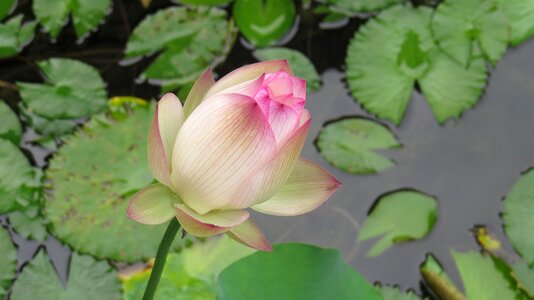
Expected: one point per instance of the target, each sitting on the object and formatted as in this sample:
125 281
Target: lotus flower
234 145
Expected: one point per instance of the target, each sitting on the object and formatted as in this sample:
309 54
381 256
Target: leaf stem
161 258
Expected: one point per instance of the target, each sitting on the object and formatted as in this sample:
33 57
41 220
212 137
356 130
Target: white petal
250 235
211 223
198 91
152 205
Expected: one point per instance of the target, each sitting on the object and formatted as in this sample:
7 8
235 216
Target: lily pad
460 25
8 262
294 271
88 279
86 15
517 215
6 6
10 129
15 35
91 179
300 64
520 14
193 38
190 274
264 22
397 217
395 50
72 89
438 280
205 2
393 293
361 6
348 144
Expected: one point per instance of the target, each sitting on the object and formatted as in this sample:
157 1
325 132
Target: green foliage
14 35
88 280
6 6
517 215
300 64
459 26
8 262
361 6
524 276
393 293
191 38
520 14
205 2
264 22
192 273
294 271
436 278
86 15
10 129
395 50
348 144
399 216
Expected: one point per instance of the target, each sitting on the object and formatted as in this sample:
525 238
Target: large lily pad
14 35
517 215
191 39
191 274
348 144
393 51
264 22
88 280
300 64
91 179
10 129
397 217
520 14
86 15
461 25
294 271
8 262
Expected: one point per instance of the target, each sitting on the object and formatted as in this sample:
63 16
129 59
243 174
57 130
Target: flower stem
161 258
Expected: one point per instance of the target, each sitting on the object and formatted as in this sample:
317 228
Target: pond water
468 164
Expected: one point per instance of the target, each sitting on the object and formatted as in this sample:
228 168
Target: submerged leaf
397 217
8 262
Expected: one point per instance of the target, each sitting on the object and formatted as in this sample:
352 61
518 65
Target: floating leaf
6 6
524 275
520 14
10 129
14 35
191 274
438 280
481 277
8 262
348 144
205 2
294 271
394 50
517 215
86 15
393 293
361 6
459 25
88 195
28 220
300 64
191 38
264 22
88 280
397 217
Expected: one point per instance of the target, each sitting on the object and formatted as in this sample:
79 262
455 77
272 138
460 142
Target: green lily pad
28 220
517 215
393 293
72 90
205 2
91 179
438 280
193 38
481 277
88 279
300 64
190 274
11 129
294 271
86 15
520 14
348 144
524 276
8 262
459 25
395 50
397 217
264 22
14 36
361 6
6 7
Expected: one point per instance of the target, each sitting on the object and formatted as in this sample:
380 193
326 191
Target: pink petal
250 235
217 148
167 121
211 223
249 72
284 121
247 88
307 188
152 205
198 91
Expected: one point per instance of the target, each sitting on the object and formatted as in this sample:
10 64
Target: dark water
469 164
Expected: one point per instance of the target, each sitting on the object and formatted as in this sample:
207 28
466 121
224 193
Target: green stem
161 258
